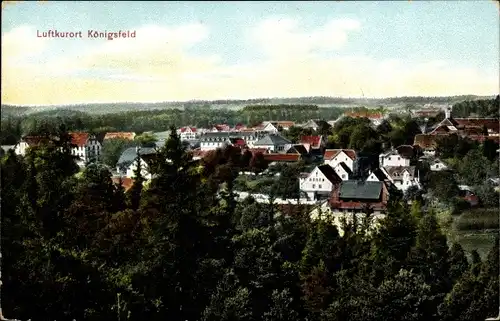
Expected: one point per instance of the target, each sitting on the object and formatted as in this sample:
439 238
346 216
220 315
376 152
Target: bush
478 219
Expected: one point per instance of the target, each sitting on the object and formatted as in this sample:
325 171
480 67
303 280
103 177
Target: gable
270 126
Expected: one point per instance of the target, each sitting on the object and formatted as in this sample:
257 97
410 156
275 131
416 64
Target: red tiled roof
239 142
284 123
121 135
239 126
274 157
371 115
257 150
34 140
314 141
490 123
482 138
79 138
222 127
331 153
193 129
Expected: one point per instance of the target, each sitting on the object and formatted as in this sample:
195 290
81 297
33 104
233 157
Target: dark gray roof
330 174
379 174
272 140
360 190
297 149
346 168
129 155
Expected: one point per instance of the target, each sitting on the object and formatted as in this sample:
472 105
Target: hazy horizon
185 51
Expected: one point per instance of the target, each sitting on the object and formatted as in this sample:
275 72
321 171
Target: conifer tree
134 194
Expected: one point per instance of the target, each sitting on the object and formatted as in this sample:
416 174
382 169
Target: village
335 181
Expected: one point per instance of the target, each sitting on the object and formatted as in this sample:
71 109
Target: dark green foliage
179 247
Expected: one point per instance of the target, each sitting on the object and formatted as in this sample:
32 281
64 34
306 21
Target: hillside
104 108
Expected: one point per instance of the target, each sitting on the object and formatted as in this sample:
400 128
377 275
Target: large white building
214 140
188 133
86 147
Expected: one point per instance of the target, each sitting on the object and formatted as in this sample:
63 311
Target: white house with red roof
319 183
334 157
85 146
188 133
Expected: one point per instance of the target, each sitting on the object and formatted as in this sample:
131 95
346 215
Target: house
320 182
375 118
437 165
86 147
120 135
274 143
393 158
188 133
311 124
333 157
268 127
356 197
474 128
343 171
128 161
403 177
214 140
27 142
284 124
313 143
377 175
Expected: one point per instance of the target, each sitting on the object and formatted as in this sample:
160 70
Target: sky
240 50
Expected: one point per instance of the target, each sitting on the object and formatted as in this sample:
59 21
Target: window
399 158
343 175
389 158
319 186
314 185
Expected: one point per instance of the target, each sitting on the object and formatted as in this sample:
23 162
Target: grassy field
475 229
478 219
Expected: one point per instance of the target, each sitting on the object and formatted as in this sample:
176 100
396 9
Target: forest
75 245
156 120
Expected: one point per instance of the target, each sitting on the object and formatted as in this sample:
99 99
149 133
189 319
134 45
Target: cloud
157 66
21 43
154 51
281 37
